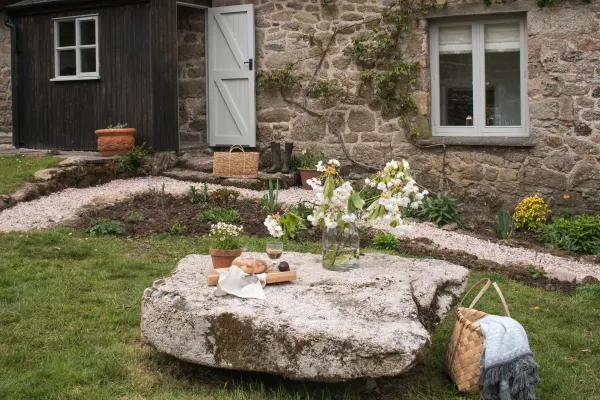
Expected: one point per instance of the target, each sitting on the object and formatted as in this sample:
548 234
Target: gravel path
557 267
58 208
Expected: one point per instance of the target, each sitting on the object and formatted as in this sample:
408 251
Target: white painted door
231 77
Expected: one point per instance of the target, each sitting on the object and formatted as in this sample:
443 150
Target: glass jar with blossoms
338 208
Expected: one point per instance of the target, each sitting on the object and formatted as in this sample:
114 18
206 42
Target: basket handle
237 147
487 285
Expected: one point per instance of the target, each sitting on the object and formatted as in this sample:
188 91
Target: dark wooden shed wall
138 85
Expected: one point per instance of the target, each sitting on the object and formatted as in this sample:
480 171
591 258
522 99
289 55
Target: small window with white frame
76 53
479 78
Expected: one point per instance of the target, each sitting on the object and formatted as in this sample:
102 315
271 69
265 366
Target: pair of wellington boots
276 155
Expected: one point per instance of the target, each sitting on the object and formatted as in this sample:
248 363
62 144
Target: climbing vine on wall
387 79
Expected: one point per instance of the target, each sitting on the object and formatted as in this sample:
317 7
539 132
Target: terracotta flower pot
115 142
306 174
223 258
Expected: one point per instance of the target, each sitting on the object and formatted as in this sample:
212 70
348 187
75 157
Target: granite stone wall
5 84
192 77
564 99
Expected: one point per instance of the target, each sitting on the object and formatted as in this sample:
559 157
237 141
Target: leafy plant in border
224 196
441 209
309 159
531 213
505 225
133 160
177 228
105 227
196 196
270 201
537 273
578 234
385 241
218 214
135 216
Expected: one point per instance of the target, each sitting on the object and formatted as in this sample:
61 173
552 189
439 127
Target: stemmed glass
274 252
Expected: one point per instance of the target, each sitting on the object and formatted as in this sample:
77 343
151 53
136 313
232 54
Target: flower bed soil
162 210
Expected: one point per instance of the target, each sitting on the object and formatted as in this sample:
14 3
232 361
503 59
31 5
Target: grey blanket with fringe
508 371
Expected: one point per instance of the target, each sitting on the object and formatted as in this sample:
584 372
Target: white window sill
480 141
75 78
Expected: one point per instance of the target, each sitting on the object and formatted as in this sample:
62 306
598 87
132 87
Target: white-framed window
76 55
479 78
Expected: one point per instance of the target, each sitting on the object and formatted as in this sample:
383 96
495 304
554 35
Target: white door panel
231 76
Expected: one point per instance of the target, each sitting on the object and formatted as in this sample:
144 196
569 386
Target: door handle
250 64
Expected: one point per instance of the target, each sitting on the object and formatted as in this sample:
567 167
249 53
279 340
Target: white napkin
240 284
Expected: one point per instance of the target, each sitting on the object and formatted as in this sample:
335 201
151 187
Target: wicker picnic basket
466 344
235 165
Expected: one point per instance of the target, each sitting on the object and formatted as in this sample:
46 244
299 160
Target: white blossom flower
273 226
320 167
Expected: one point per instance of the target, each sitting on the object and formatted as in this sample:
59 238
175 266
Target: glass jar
341 247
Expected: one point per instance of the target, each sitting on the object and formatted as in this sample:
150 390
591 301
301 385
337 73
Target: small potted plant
224 244
307 166
116 140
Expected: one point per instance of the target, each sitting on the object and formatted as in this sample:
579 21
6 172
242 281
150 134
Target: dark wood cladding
163 19
64 115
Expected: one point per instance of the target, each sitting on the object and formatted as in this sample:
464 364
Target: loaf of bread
250 265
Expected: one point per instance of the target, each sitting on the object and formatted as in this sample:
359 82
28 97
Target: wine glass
274 252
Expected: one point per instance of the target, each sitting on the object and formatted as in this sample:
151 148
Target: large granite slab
326 326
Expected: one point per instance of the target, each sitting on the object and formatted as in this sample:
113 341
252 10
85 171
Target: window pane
66 33
503 74
88 60
66 63
87 31
456 76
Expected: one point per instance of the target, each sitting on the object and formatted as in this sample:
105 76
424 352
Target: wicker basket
235 165
466 344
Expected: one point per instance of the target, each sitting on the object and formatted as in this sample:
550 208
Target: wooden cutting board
272 277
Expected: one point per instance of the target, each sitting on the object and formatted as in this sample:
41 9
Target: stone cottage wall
5 85
192 77
564 91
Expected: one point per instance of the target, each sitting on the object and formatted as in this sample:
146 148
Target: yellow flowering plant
531 213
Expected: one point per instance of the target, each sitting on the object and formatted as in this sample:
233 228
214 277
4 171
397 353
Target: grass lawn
16 170
70 314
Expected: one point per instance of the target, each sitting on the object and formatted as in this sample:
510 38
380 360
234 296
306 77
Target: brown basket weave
466 344
235 165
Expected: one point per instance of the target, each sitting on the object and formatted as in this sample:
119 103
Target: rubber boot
287 154
276 156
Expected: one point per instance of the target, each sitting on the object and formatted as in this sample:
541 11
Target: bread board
272 277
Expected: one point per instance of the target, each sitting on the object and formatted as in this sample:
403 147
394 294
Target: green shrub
105 227
580 234
441 209
218 214
505 225
135 216
177 228
196 196
385 241
133 160
224 196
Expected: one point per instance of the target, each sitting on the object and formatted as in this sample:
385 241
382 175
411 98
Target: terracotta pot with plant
224 244
116 140
307 166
